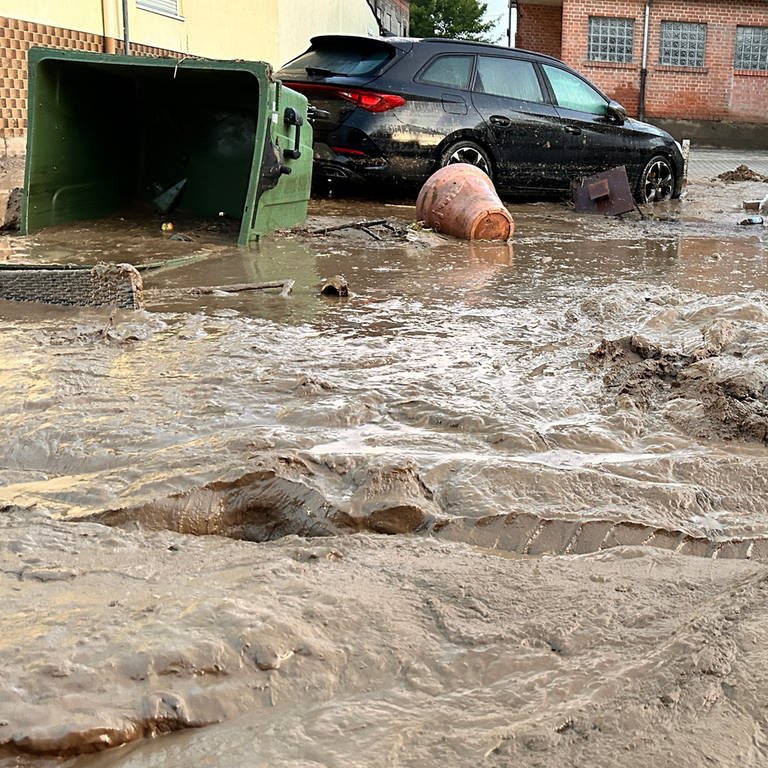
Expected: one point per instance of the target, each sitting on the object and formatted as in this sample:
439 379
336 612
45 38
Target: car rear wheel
466 151
657 181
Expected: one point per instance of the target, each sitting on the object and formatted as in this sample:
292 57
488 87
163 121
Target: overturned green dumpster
129 134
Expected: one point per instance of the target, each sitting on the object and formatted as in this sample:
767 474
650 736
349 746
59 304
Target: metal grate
751 48
610 39
168 7
115 285
682 44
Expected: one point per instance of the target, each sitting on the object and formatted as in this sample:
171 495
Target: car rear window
451 70
345 58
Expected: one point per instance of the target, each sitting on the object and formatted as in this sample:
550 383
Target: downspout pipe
126 35
644 65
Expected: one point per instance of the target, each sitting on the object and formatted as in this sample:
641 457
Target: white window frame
170 8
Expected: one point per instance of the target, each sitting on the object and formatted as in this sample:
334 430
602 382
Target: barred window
682 44
751 48
610 39
167 7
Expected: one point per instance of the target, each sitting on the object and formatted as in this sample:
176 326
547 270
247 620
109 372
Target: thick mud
422 502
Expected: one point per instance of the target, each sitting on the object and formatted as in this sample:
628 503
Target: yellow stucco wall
267 30
82 15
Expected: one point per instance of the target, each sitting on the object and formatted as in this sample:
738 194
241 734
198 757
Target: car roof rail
482 44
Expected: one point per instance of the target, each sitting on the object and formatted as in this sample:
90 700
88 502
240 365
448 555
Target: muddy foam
498 504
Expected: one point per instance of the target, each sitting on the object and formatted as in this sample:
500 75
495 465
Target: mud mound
706 392
9 220
742 173
292 496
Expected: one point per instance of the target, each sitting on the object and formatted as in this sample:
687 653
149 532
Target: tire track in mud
267 505
527 534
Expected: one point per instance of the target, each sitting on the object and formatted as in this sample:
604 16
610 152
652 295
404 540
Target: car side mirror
616 112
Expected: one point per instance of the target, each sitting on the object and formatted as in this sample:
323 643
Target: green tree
449 18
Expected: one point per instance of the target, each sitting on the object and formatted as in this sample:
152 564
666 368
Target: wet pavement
709 162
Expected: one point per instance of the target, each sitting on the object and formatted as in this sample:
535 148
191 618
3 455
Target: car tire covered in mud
657 181
466 151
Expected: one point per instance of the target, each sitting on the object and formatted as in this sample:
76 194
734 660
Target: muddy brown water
504 504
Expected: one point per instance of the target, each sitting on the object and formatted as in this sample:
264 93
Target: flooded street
504 504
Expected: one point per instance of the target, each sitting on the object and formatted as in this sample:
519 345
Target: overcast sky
498 11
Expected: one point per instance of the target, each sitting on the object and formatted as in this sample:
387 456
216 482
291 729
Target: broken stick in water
350 225
285 285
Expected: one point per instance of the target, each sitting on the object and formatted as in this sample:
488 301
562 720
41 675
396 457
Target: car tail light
372 101
348 151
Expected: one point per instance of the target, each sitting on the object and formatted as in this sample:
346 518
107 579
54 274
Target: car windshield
327 60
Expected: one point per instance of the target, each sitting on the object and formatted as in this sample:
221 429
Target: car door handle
572 129
499 120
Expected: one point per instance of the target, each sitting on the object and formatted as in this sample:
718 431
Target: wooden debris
285 285
362 225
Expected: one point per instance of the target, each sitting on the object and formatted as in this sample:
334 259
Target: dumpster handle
292 117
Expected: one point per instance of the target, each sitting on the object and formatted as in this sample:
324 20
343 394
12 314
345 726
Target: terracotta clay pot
460 200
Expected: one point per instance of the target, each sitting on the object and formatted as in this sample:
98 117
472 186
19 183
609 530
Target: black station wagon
393 110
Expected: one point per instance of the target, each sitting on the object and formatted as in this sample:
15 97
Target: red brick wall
717 91
713 92
539 28
16 38
749 96
620 81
